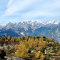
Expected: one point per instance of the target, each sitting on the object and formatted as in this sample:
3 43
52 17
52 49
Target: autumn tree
37 54
41 43
35 43
30 42
9 38
21 50
18 39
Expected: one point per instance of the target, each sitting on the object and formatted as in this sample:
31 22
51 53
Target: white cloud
38 8
16 5
10 2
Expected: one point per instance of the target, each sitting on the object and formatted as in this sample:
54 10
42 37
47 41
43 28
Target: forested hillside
30 47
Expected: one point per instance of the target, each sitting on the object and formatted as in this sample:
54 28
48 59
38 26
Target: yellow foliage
42 56
37 54
12 39
41 44
30 42
9 37
58 52
22 50
35 43
18 39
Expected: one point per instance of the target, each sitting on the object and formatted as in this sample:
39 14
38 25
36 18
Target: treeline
33 47
8 38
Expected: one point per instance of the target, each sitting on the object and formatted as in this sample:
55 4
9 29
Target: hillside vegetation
30 47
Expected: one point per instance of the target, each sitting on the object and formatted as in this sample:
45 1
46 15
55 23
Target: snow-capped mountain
1 26
32 28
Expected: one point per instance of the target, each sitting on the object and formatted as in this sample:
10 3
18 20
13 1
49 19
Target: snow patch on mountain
22 33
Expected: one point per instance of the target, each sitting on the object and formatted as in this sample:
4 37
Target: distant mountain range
32 28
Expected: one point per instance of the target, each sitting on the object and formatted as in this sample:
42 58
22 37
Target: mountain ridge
32 28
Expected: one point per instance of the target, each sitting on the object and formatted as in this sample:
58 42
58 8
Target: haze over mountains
32 28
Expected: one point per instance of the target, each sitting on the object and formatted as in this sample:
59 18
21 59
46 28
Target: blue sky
19 10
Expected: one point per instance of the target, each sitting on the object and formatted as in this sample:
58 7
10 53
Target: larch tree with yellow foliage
21 50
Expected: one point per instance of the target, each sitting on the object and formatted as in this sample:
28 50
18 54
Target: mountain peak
53 22
40 22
